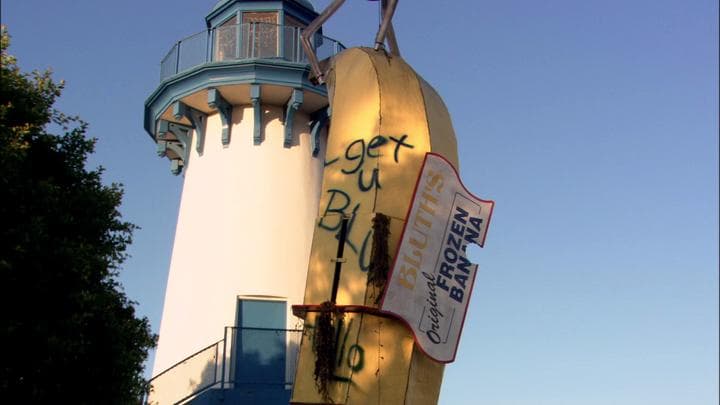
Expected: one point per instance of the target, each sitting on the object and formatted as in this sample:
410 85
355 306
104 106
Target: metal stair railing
255 357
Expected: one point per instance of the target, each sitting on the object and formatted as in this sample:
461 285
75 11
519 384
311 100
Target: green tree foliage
69 334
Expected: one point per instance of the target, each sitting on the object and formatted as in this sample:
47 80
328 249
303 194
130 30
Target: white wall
244 228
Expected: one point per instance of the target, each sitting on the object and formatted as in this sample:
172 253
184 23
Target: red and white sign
431 281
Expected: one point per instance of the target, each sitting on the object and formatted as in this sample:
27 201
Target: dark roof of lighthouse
303 3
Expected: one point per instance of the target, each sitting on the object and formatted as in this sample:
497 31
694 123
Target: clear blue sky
592 124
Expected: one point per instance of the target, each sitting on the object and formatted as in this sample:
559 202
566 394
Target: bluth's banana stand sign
372 334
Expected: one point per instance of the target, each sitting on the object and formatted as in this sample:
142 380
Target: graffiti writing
360 161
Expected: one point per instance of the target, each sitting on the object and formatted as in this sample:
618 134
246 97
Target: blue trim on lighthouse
257 113
217 102
196 118
180 146
257 71
293 105
319 119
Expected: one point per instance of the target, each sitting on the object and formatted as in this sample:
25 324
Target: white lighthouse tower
238 118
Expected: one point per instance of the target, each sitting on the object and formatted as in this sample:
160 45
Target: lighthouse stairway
248 365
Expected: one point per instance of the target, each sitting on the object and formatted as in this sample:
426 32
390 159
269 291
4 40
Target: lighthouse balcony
249 365
258 64
233 43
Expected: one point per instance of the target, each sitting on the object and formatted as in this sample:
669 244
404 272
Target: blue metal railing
242 41
244 357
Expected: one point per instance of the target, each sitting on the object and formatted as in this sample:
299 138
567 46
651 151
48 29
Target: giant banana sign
384 120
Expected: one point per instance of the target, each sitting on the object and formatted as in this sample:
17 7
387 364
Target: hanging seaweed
325 347
379 255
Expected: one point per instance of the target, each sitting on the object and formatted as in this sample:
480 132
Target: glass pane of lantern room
262 41
292 30
226 37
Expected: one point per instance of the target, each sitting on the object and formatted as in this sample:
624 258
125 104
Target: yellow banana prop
384 119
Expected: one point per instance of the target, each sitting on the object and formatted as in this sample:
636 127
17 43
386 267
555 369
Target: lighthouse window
261 314
226 37
260 34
